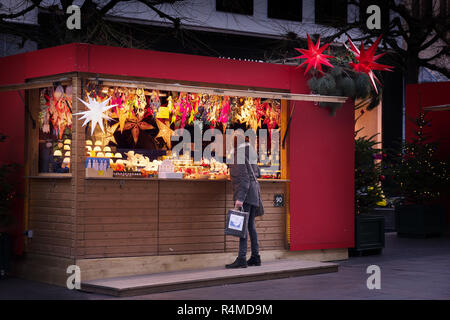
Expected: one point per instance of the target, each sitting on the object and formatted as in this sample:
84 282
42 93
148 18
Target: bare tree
96 25
417 33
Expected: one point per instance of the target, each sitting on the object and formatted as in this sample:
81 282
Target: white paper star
96 113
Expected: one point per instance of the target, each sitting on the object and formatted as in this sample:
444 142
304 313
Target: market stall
105 179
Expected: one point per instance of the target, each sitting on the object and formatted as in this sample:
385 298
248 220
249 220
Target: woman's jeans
252 231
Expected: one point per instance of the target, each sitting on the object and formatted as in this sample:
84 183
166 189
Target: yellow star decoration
248 115
108 136
164 132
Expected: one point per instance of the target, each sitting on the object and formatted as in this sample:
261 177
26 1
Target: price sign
278 200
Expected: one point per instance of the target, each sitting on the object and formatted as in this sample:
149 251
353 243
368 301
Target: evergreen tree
367 174
420 177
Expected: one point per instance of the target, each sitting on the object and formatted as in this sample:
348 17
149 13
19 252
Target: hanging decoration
141 103
155 102
366 60
56 109
96 113
271 116
164 132
314 56
107 136
134 109
136 124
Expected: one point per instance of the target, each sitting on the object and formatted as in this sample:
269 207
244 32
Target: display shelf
51 176
196 180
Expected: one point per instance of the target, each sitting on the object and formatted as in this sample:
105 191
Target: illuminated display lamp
118 155
57 153
67 141
88 148
100 155
98 143
89 142
97 149
366 60
67 154
107 149
314 56
66 147
109 155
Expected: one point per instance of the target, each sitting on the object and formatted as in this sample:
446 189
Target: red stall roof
173 68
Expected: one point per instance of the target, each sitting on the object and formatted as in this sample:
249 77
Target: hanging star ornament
96 113
164 132
314 56
108 136
366 60
136 124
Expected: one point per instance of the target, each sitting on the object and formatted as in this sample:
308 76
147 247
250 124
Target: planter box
369 234
417 220
389 217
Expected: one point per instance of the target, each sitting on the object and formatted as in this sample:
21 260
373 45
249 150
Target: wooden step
181 280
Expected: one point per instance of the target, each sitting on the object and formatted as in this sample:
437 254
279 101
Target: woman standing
246 195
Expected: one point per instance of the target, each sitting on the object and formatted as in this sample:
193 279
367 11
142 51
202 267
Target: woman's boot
238 263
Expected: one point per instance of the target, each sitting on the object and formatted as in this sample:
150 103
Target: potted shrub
369 227
7 194
421 178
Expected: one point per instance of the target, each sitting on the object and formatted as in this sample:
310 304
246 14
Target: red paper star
314 57
366 61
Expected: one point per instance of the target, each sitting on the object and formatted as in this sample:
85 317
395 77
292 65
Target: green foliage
362 85
367 174
340 81
418 175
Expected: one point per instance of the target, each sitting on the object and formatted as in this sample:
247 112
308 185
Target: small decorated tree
367 174
420 177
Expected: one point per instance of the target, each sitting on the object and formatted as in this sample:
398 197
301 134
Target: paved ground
410 269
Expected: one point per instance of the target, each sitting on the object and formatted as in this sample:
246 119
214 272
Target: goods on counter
98 167
166 170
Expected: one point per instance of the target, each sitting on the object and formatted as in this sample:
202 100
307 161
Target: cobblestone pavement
410 269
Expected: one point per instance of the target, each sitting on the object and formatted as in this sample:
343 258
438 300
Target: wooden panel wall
271 226
127 218
191 217
119 218
51 217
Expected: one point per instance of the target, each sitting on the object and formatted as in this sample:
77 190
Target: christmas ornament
164 132
366 60
136 124
96 113
314 56
108 136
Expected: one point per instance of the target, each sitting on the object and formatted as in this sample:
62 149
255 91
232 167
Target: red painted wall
321 145
322 174
423 95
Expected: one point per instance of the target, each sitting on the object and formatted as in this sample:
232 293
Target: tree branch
35 4
442 70
151 4
444 50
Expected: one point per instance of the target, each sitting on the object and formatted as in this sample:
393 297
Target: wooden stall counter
151 216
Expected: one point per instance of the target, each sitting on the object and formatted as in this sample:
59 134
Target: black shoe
254 261
238 263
